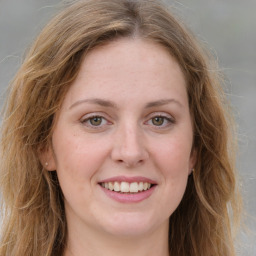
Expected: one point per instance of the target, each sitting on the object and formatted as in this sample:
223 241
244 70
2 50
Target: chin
131 224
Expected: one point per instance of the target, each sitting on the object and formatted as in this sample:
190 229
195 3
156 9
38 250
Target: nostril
130 162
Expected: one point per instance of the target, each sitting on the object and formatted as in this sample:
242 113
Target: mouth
127 187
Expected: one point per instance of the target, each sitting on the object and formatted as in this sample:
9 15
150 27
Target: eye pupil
96 121
158 120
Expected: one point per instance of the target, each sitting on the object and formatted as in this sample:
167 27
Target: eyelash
167 121
87 121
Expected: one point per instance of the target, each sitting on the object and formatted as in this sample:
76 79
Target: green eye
92 121
95 121
158 120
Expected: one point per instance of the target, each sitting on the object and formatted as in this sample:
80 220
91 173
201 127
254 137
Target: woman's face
123 139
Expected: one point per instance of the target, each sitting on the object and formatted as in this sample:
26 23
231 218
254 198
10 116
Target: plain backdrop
227 28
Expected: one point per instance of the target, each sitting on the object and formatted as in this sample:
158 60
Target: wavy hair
34 222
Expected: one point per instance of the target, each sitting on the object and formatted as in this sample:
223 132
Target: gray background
228 28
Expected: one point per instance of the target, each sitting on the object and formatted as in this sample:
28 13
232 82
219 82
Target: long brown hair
32 202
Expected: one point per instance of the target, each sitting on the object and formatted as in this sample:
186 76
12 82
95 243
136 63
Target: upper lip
128 179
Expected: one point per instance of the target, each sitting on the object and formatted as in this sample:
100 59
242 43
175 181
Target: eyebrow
110 104
163 102
101 102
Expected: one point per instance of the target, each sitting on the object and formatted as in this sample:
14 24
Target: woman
115 140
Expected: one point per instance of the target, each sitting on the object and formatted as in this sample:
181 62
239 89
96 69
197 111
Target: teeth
110 186
134 187
140 186
126 187
116 186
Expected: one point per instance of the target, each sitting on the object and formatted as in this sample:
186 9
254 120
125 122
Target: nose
129 147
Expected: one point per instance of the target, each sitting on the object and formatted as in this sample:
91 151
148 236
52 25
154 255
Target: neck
95 243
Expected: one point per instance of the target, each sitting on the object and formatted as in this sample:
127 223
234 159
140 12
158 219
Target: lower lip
129 198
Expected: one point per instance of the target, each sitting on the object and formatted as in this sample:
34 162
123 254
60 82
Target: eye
94 121
160 121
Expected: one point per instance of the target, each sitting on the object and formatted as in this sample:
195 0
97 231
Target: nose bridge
129 145
131 139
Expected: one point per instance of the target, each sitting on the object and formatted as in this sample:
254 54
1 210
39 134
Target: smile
126 187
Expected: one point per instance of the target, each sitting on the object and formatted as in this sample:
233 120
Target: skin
135 82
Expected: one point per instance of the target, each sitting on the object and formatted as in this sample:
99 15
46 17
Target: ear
192 160
47 159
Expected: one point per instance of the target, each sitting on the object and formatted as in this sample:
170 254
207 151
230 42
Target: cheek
173 161
174 156
77 161
76 158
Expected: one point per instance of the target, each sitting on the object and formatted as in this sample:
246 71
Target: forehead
135 51
131 66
